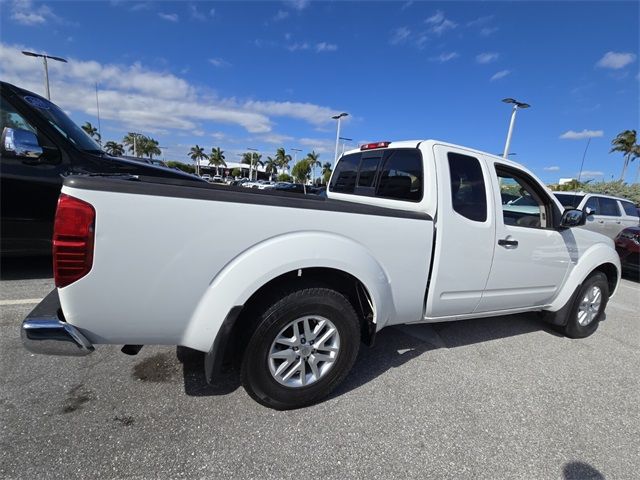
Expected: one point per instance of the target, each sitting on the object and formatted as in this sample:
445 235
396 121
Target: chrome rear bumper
44 331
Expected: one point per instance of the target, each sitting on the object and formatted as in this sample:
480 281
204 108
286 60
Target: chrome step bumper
44 331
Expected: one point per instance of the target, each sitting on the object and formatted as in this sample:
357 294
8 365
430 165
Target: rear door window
608 207
629 208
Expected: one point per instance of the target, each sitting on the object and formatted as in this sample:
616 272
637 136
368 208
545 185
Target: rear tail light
73 234
371 146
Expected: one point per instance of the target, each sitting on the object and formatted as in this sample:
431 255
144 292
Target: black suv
39 144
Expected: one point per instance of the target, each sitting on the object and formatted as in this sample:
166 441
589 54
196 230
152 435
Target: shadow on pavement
25 268
394 347
580 471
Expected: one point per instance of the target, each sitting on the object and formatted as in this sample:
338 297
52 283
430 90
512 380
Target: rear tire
281 367
588 306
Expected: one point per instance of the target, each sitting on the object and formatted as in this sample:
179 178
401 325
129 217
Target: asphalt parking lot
491 398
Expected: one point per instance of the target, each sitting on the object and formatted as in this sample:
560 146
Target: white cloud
590 173
439 23
616 60
435 19
552 169
298 4
445 57
218 62
399 35
294 47
310 113
147 100
486 31
281 15
326 47
487 57
25 12
275 138
480 21
500 74
196 14
571 135
407 5
171 17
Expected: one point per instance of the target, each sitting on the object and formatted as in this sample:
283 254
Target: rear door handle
507 242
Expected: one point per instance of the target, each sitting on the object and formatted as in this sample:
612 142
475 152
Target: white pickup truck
411 232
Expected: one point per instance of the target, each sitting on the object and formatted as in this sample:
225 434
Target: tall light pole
295 154
46 67
516 105
338 117
251 163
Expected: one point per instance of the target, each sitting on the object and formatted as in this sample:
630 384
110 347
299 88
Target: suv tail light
73 234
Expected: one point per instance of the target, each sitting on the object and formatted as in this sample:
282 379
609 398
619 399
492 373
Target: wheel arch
329 259
599 257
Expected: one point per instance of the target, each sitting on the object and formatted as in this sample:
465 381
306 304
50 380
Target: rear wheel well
338 280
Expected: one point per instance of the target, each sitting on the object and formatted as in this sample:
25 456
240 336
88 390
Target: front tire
588 306
304 345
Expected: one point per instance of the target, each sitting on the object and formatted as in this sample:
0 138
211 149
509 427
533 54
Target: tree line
276 166
625 142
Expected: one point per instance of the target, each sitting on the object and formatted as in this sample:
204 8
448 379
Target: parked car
206 176
628 247
39 145
411 232
605 214
217 179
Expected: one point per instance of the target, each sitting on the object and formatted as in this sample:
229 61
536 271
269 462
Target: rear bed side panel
156 258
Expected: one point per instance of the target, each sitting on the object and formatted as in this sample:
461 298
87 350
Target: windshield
63 124
569 200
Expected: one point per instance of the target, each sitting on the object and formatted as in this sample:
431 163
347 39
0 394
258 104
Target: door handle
600 221
507 242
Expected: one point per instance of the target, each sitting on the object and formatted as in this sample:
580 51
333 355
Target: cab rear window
391 173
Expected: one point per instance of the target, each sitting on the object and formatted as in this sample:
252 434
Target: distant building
564 181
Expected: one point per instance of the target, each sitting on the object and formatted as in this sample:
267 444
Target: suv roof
585 194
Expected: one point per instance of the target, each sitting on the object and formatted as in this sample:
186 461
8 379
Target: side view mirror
573 218
590 211
19 143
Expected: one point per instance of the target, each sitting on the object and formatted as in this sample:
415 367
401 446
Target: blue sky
271 74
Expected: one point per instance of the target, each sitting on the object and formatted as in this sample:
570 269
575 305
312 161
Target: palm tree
326 172
247 159
148 146
92 131
114 148
131 141
216 158
626 142
282 159
196 154
312 160
271 167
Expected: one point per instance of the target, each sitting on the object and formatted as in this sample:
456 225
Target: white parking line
22 301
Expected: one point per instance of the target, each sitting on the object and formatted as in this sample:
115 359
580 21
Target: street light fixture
516 105
344 143
338 117
46 68
251 163
295 154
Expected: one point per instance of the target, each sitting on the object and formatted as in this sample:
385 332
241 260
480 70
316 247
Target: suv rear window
393 173
629 208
